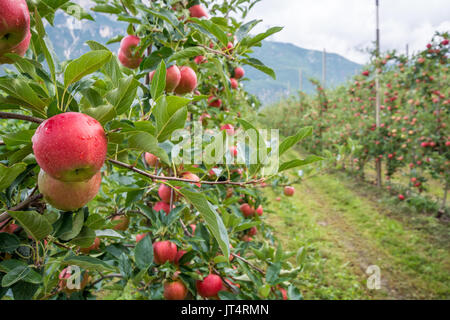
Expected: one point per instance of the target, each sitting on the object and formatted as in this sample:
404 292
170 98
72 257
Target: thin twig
162 178
8 115
25 204
218 52
249 263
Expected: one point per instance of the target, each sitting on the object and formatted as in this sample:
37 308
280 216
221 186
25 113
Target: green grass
347 226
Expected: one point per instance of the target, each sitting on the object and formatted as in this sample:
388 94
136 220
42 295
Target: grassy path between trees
346 226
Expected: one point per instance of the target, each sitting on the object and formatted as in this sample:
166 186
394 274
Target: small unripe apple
188 81
238 73
68 196
210 286
289 191
175 290
164 251
124 222
70 146
94 246
173 77
198 11
151 159
247 210
14 23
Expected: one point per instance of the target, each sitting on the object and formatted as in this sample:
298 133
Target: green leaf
87 263
255 63
187 53
289 142
212 218
85 238
77 225
143 253
272 273
170 114
258 38
298 163
32 276
9 174
293 293
23 93
159 81
108 233
144 141
15 275
42 38
122 97
84 65
8 242
18 138
111 69
36 225
103 113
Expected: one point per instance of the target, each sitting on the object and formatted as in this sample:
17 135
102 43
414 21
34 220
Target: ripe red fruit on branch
127 55
150 159
140 236
238 73
173 78
68 196
253 231
175 290
229 128
259 210
214 102
164 251
200 59
401 197
14 23
94 246
164 192
20 49
210 286
247 210
124 222
289 191
234 84
191 176
283 293
162 206
188 81
365 73
70 146
198 11
234 151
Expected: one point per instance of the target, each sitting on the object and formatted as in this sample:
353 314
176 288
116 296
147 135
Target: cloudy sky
347 27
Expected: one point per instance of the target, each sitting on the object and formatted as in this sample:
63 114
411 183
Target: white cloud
347 27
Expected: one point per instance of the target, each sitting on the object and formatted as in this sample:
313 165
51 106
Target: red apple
198 11
200 60
238 73
164 251
180 254
191 176
173 78
234 84
193 227
229 128
94 246
70 146
289 191
188 81
247 210
140 236
151 159
68 196
401 197
124 222
20 49
214 102
127 53
259 210
234 151
283 293
210 286
162 206
253 231
14 23
164 192
175 290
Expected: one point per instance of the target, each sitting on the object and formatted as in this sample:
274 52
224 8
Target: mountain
68 37
286 60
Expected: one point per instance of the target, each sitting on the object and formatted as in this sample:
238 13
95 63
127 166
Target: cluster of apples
15 32
70 149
